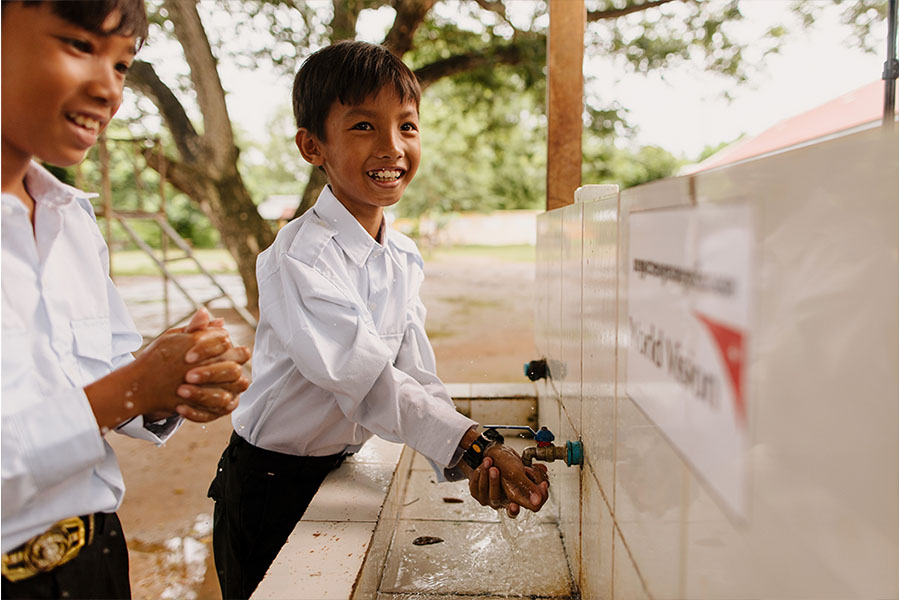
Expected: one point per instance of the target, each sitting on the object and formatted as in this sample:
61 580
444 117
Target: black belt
56 546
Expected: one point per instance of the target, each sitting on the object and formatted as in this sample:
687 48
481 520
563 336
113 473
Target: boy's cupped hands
211 376
503 481
193 371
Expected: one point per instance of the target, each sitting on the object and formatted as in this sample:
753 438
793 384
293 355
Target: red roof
857 108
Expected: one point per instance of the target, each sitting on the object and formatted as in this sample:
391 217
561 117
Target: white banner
688 322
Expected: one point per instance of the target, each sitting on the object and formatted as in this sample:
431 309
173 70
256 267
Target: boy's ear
309 147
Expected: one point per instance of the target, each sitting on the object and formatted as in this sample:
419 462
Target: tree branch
179 174
496 6
143 79
218 136
508 55
343 23
409 16
615 13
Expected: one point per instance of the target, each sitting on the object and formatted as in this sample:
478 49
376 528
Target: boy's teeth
385 174
86 122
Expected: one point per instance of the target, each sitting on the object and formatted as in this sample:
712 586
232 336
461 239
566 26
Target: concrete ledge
338 550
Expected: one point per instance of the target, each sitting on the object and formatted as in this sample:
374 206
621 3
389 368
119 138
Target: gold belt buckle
56 546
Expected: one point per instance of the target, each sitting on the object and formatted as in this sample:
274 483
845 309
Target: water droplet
129 394
106 551
129 404
104 430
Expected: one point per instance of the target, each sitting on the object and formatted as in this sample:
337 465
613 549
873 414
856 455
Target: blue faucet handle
544 435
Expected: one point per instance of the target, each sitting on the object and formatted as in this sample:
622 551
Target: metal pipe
543 453
890 66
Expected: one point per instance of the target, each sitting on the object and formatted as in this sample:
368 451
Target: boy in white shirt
341 351
68 376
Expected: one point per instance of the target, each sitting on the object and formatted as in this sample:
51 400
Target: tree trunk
314 185
225 200
243 231
206 169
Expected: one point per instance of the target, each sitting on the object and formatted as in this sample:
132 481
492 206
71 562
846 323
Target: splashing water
516 532
186 557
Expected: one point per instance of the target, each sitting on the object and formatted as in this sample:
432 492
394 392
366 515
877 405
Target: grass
218 260
136 262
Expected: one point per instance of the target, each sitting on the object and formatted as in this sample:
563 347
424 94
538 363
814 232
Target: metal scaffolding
168 235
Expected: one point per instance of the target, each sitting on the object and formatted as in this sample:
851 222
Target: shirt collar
46 189
351 236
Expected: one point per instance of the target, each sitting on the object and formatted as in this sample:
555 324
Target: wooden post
164 237
565 100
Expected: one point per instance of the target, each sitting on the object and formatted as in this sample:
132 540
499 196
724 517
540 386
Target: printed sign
688 321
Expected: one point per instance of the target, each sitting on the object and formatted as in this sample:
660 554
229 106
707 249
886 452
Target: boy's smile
371 153
61 84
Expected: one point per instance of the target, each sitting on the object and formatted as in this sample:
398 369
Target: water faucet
572 452
536 369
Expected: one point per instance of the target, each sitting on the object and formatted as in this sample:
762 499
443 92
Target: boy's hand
160 369
210 388
485 487
503 480
213 386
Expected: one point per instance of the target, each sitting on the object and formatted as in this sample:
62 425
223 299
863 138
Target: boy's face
61 83
371 153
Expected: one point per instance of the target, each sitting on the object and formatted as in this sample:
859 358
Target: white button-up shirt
64 326
341 351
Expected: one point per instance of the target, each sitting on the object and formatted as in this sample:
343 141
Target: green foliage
604 162
274 166
677 32
135 187
862 16
484 129
710 150
482 154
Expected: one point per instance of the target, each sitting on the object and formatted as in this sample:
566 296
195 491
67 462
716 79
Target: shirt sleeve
125 341
335 345
416 359
43 442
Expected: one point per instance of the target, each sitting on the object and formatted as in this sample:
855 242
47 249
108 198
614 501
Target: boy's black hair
90 15
349 72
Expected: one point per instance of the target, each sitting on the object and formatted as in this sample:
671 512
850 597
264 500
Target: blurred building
855 111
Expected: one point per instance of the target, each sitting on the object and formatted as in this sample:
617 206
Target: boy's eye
122 68
80 45
363 126
409 127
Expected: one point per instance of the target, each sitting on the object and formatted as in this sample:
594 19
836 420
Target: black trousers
100 571
260 496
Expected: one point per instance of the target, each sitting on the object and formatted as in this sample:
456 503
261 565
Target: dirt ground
480 320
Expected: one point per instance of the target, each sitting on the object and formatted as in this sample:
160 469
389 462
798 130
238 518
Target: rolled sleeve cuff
157 432
446 451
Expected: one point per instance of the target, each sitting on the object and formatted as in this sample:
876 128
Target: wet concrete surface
480 320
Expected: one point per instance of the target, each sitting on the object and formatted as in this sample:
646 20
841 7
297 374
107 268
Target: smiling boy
341 351
68 375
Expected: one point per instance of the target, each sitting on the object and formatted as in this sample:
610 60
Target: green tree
493 50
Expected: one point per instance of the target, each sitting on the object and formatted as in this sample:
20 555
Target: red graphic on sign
731 345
